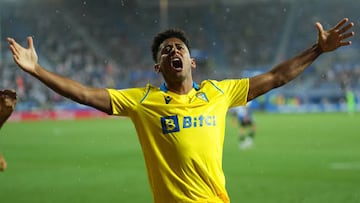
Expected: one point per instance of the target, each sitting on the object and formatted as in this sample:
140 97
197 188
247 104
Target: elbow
280 80
81 97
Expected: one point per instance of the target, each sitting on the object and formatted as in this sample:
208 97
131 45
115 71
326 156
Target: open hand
333 38
26 58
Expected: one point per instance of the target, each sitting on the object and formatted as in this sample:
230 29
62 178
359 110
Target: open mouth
176 63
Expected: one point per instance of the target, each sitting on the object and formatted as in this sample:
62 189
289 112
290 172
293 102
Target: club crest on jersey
167 99
202 96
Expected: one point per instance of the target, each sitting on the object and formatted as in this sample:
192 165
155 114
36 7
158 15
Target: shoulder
226 85
125 100
234 90
136 93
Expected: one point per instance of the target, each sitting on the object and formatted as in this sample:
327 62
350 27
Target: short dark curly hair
162 36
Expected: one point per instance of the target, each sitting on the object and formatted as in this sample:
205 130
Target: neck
177 88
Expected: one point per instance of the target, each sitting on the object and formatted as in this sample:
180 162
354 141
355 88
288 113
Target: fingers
338 26
347 35
13 46
341 23
8 93
17 46
15 49
346 28
340 29
10 40
13 43
345 43
30 42
319 27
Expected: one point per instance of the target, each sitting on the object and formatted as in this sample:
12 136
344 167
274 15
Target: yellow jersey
182 136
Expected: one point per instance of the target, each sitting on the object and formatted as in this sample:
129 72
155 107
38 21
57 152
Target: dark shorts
246 122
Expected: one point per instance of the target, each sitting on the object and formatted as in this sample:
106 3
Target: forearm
94 97
290 69
282 73
61 85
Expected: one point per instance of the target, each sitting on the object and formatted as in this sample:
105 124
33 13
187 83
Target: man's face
174 60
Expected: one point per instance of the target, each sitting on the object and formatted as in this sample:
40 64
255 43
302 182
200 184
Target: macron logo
167 99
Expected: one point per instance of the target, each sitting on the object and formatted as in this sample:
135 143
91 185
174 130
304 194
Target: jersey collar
165 89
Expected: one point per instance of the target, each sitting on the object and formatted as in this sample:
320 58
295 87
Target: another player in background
242 118
350 101
181 124
7 105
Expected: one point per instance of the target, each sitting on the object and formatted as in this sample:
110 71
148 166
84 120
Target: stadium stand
107 44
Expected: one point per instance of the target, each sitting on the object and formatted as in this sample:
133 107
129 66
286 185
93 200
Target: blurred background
107 44
297 157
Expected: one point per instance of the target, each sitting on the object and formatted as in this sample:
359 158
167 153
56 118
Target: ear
157 68
193 63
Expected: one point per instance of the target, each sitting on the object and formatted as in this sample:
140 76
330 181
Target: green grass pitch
297 158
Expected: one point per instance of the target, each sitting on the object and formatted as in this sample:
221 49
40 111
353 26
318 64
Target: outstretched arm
328 40
27 59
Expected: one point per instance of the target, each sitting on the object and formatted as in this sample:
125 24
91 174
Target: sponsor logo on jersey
171 124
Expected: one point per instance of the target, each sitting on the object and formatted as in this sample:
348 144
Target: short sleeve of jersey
125 100
235 89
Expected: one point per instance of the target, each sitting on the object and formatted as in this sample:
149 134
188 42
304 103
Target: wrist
35 70
317 48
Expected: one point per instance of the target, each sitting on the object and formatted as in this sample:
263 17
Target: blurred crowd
107 43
